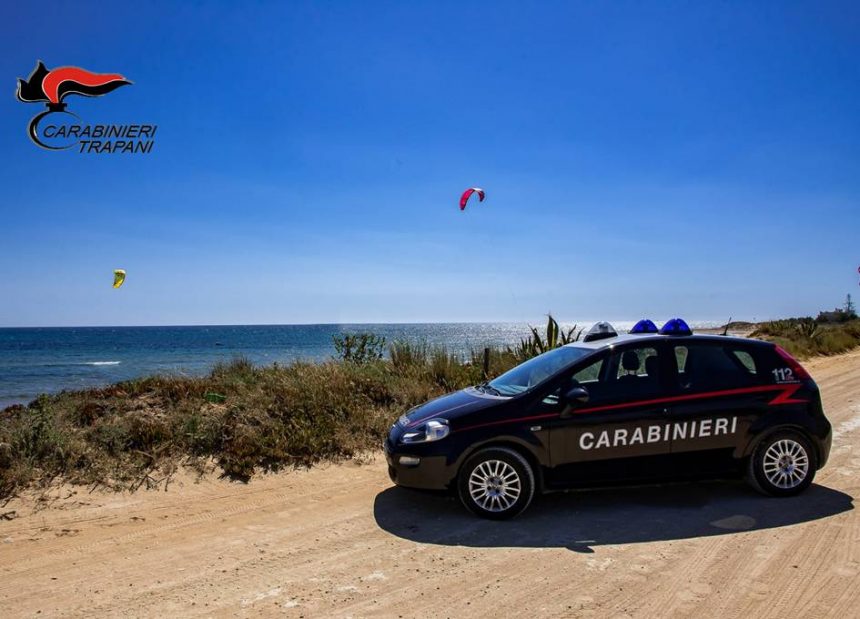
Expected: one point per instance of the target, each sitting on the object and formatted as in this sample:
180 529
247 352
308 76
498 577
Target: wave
60 364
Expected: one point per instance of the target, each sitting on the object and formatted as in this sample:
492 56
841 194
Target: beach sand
339 541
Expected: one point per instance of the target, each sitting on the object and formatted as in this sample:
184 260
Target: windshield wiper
485 386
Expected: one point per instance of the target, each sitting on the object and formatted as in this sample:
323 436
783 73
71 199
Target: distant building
840 314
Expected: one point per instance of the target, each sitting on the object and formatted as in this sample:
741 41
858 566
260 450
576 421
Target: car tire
782 465
496 483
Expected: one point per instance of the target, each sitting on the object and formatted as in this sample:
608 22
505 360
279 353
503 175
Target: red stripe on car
784 397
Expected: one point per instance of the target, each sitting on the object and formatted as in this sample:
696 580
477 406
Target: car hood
452 405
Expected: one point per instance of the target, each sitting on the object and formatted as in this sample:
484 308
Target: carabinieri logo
58 129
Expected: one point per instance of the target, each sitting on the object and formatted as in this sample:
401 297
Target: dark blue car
649 405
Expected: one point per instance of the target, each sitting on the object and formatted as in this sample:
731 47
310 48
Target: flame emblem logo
51 87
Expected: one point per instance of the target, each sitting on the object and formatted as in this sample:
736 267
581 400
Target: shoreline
55 359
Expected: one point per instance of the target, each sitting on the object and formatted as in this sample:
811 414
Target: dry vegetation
806 337
241 418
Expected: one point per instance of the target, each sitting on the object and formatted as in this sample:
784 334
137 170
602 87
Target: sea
54 359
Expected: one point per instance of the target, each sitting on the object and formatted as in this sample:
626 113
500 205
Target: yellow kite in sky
118 278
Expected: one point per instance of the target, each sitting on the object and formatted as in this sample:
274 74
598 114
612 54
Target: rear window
703 367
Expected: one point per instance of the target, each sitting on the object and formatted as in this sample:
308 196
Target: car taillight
799 371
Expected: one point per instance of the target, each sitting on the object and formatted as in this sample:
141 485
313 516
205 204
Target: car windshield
536 370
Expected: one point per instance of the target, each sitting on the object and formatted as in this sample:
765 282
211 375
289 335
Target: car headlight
432 430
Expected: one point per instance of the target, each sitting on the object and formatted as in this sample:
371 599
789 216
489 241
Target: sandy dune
339 541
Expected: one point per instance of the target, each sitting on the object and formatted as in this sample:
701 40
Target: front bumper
431 472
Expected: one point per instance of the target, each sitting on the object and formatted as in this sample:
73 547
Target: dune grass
806 337
241 417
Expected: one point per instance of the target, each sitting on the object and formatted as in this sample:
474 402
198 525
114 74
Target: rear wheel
782 465
496 483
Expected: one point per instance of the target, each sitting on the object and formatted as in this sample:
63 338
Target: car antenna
726 328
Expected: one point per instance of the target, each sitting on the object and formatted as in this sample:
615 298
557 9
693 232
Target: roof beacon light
644 326
600 331
676 326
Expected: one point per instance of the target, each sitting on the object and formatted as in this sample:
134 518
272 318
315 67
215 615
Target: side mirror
576 396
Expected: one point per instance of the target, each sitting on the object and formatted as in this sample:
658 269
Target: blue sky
687 158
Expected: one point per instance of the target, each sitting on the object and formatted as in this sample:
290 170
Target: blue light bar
600 331
676 326
644 326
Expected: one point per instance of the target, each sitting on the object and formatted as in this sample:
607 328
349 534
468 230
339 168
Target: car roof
625 338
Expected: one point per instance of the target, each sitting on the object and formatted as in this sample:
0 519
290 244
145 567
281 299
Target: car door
718 397
619 434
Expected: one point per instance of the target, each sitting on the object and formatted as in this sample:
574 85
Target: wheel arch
788 427
508 443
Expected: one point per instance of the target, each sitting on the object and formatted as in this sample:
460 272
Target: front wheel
496 483
782 465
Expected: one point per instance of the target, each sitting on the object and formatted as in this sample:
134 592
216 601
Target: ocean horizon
36 360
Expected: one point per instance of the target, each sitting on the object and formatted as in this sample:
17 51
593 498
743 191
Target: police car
648 405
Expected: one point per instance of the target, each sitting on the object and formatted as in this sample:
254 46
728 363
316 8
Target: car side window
681 359
704 367
635 372
746 359
588 377
637 363
590 374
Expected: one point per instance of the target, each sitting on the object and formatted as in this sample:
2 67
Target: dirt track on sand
339 541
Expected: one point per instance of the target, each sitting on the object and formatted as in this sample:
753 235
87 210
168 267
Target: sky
698 159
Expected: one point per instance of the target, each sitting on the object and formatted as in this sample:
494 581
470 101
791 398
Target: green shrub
500 360
359 347
805 337
405 354
535 344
